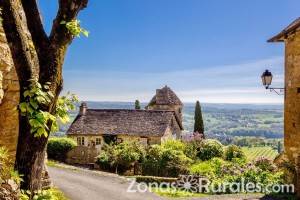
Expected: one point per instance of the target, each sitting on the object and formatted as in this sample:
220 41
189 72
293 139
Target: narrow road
81 184
88 185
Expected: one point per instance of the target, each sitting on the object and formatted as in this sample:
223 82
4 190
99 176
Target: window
80 141
98 141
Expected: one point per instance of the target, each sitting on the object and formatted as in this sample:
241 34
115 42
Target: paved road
86 185
81 184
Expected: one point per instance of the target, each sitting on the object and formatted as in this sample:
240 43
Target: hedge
58 147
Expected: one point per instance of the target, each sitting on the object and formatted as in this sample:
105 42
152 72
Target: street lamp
267 78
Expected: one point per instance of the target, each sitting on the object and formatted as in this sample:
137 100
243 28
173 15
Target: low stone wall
9 98
82 155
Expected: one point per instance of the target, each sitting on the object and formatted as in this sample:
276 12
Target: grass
169 192
57 194
253 153
52 163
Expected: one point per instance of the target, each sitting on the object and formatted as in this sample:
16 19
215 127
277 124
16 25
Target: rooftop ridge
132 110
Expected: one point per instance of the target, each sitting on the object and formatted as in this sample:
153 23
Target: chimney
83 108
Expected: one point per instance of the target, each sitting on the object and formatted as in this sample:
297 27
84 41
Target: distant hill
222 121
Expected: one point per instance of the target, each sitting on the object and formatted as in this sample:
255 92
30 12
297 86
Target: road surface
82 184
88 185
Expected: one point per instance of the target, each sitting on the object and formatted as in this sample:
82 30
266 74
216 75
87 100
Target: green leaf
85 33
23 107
33 104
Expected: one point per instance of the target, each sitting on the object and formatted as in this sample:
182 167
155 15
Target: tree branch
68 10
19 40
35 26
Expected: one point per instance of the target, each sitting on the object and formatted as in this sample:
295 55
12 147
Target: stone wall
292 97
9 98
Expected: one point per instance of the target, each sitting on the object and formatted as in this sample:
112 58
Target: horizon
132 102
136 46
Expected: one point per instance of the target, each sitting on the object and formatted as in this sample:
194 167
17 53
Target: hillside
222 121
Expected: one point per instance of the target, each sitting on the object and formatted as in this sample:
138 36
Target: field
254 152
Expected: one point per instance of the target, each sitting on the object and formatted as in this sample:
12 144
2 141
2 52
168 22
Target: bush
58 148
49 194
210 169
192 148
234 152
120 157
264 164
128 153
210 149
174 144
167 159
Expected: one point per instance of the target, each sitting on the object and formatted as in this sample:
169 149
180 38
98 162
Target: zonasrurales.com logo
198 184
188 183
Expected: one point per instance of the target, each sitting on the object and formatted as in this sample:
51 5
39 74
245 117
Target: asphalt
83 184
88 185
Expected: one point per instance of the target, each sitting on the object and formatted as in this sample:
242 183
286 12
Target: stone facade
9 98
291 38
292 97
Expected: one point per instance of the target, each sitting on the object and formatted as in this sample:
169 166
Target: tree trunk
30 157
36 55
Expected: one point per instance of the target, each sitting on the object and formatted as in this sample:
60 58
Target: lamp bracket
279 91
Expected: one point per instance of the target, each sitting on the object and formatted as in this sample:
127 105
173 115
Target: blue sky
208 50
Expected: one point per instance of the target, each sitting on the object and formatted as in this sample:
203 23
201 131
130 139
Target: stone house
161 120
291 38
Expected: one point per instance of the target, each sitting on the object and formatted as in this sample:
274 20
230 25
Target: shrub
264 164
128 153
167 159
191 149
174 162
120 157
152 162
210 169
58 148
234 152
174 144
210 149
49 194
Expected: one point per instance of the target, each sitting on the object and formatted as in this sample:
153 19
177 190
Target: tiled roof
119 121
295 25
165 96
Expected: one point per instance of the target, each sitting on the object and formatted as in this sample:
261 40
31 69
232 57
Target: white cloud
237 83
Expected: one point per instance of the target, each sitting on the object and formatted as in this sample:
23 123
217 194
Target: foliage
57 148
50 194
198 126
137 105
264 164
7 171
74 28
210 168
128 153
233 151
219 171
174 144
209 149
176 193
192 148
121 156
167 159
37 97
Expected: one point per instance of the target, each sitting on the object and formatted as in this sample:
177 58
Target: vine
74 28
42 122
